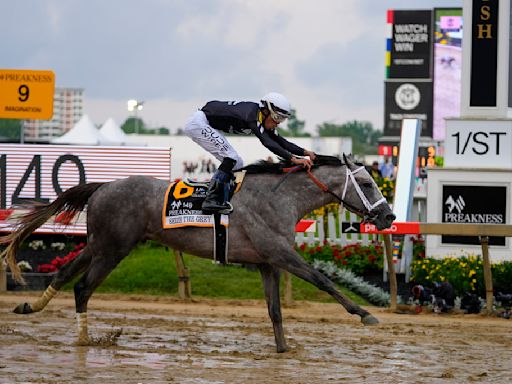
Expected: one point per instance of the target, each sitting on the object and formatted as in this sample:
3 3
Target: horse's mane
264 166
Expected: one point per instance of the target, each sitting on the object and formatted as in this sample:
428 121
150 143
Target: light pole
135 105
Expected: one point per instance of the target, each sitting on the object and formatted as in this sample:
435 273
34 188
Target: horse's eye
367 185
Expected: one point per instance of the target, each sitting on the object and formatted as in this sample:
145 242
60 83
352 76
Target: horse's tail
72 200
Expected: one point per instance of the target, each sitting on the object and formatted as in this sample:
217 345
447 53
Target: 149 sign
34 174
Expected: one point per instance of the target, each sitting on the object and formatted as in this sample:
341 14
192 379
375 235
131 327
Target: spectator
375 171
387 169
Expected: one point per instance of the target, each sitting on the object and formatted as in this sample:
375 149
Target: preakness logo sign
407 96
407 100
474 205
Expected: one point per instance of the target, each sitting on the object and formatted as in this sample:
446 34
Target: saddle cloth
182 208
182 204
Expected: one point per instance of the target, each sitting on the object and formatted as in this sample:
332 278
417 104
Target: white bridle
350 176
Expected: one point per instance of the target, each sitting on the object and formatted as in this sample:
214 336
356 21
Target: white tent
114 133
83 133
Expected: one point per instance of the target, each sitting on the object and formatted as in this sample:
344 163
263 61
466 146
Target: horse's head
363 197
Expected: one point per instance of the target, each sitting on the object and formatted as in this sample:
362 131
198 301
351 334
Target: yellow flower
473 281
472 272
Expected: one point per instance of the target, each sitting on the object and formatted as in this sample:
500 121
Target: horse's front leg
278 251
270 277
292 262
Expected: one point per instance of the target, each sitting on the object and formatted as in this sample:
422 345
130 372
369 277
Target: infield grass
151 269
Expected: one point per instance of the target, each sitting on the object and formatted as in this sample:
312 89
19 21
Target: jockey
206 128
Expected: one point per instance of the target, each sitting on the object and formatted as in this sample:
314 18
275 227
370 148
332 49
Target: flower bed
58 261
465 273
39 260
360 259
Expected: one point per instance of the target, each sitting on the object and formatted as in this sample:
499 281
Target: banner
474 204
410 48
40 173
484 53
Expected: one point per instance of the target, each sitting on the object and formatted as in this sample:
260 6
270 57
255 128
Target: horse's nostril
391 217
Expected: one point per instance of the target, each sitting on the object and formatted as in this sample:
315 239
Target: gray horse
122 213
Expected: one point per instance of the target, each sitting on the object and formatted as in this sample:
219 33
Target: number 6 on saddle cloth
182 208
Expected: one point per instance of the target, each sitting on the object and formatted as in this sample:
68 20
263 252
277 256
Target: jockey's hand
306 163
310 154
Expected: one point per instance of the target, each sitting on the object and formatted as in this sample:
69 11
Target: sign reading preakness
41 172
474 204
26 94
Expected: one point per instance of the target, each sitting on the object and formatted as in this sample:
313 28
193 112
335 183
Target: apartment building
67 110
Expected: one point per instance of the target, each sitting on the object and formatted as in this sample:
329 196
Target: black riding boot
217 197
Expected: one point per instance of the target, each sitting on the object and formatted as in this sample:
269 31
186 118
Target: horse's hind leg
65 274
270 277
102 264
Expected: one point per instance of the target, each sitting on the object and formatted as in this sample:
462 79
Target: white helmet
278 106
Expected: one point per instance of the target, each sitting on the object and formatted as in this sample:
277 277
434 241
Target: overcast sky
326 56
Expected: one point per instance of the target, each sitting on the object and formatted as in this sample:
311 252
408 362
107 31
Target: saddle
182 208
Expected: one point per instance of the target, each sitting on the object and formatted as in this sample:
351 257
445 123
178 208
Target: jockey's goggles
277 114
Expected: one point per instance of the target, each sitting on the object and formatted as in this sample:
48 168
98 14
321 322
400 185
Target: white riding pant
210 139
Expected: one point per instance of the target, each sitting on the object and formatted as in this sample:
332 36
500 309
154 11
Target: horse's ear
346 160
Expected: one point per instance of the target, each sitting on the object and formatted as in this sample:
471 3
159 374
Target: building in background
67 110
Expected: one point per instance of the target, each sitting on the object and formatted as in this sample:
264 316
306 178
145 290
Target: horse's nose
390 217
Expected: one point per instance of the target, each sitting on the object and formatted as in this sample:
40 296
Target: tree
294 127
10 129
364 137
136 125
133 125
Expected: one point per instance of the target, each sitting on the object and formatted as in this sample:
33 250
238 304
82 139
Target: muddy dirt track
166 341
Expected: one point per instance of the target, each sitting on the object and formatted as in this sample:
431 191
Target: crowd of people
385 169
191 168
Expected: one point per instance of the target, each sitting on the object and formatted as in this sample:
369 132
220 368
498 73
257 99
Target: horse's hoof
282 349
83 342
23 309
369 320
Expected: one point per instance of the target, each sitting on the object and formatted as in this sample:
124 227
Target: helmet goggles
277 114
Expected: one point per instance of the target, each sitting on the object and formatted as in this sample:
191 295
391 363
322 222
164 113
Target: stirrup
227 211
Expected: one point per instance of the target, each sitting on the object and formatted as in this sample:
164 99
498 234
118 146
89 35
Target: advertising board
39 173
408 100
410 46
474 204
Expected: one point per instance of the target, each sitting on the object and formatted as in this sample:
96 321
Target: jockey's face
269 122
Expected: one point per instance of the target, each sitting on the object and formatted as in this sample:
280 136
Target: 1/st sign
478 144
26 94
